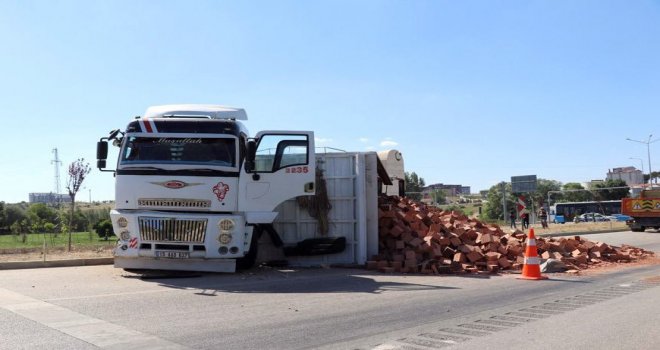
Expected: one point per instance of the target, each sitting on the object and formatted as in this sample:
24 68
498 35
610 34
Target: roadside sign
521 184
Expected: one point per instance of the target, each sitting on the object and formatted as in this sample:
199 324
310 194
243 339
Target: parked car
620 217
593 217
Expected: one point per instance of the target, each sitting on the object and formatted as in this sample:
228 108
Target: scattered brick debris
415 238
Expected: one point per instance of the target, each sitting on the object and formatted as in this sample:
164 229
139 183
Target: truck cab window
275 152
193 151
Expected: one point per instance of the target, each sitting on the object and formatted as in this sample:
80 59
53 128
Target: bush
103 228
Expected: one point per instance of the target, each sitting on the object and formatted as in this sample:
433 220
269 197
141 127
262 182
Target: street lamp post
642 163
648 151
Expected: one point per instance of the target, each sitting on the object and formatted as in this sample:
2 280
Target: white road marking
89 329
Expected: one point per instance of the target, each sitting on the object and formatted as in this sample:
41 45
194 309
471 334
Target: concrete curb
586 233
15 265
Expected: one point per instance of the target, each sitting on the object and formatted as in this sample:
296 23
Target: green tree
14 213
655 175
96 215
492 209
615 194
80 221
41 212
577 193
414 185
49 227
3 216
439 196
543 186
103 228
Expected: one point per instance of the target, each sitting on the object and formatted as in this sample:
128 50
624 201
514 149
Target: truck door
284 168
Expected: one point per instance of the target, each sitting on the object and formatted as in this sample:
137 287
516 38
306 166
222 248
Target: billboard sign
522 184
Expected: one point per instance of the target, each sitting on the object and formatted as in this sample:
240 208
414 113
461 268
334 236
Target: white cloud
363 139
370 148
388 143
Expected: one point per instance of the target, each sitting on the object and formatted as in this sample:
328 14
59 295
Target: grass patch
36 240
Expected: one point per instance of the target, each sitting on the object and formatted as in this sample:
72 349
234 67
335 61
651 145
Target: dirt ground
570 227
55 254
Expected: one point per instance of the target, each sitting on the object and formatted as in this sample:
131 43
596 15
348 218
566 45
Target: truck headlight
226 225
224 238
125 235
122 221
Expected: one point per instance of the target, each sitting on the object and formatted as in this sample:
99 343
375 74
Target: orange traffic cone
531 269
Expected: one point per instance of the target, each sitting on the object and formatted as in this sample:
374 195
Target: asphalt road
102 307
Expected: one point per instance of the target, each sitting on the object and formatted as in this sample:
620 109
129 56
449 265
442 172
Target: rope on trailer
318 206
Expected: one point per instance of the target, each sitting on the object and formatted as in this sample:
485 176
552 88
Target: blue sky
471 92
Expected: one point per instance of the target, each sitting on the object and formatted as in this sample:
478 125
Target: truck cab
191 186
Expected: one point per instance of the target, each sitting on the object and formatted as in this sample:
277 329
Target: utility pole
648 151
504 201
57 163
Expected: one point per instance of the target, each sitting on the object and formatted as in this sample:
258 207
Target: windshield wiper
142 168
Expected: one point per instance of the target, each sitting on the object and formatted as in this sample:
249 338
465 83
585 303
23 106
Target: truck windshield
193 151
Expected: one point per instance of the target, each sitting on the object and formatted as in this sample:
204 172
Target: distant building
49 198
629 174
449 190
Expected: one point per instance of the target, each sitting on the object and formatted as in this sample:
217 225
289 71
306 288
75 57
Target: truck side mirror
251 154
101 154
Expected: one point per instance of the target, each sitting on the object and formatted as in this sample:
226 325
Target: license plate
172 255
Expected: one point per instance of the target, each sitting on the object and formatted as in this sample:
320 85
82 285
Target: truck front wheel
637 229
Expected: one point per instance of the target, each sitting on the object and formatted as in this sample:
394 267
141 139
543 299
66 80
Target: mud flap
317 246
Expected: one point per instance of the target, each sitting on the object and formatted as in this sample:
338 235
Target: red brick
410 255
504 262
411 264
396 231
459 257
415 242
493 256
474 256
447 252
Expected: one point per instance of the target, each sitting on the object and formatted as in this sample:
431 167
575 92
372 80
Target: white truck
193 191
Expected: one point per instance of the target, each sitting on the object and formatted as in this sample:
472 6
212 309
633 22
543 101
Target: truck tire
250 258
640 229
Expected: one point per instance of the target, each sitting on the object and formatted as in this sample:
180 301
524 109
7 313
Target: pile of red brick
417 238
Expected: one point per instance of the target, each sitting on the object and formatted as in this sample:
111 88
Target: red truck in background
644 211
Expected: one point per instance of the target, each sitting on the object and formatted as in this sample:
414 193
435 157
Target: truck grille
174 202
172 230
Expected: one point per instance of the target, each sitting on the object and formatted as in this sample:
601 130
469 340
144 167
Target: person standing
512 216
524 217
543 215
